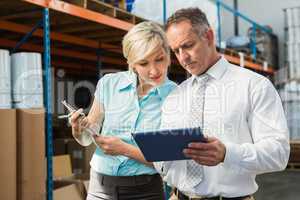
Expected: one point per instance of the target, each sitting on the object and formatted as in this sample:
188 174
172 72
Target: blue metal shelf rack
45 24
220 4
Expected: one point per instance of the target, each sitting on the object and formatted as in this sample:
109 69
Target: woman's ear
133 69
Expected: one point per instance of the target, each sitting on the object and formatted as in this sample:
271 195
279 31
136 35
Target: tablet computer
167 145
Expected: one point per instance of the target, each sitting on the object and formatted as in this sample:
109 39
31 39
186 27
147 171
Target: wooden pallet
235 53
294 160
107 9
293 166
247 56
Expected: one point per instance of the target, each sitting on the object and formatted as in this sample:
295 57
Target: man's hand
111 145
211 153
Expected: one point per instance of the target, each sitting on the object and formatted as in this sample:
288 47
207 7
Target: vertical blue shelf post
47 97
253 41
219 23
164 11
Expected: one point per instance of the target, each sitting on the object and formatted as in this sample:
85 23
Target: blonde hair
142 40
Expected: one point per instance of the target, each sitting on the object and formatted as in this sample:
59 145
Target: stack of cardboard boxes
8 153
23 161
22 158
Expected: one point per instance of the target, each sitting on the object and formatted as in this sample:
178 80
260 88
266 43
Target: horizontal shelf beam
248 64
63 53
82 13
18 28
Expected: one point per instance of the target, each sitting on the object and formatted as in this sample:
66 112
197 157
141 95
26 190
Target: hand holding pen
79 121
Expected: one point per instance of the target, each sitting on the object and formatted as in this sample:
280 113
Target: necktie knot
201 80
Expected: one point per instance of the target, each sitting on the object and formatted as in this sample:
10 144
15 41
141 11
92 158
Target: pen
70 109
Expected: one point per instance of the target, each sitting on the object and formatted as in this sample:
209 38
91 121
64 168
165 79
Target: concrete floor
279 186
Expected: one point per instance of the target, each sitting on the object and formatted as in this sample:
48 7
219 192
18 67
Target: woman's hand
115 146
112 145
78 123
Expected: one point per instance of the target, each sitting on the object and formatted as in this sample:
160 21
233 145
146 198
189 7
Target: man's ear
210 37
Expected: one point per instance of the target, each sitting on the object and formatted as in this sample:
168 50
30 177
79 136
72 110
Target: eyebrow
181 45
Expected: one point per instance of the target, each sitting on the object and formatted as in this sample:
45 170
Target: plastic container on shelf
5 84
28 100
5 101
27 73
27 81
5 80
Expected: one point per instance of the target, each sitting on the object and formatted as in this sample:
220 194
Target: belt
126 180
182 196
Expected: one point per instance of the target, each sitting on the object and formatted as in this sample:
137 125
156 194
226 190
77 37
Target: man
238 110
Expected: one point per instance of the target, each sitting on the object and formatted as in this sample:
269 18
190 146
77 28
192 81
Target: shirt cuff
233 156
158 166
162 167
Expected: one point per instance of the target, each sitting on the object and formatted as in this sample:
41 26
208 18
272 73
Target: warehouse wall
264 12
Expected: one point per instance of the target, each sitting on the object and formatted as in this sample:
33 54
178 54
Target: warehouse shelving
85 36
255 26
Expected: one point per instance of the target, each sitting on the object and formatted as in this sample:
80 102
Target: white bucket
27 73
28 100
5 85
31 84
5 80
5 100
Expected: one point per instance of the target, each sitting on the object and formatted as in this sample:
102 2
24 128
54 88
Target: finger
100 139
84 122
76 115
200 145
204 160
192 152
210 139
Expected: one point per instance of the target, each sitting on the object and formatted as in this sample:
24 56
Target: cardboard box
31 162
68 192
66 184
8 167
62 166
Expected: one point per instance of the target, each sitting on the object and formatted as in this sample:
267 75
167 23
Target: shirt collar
163 89
216 71
128 81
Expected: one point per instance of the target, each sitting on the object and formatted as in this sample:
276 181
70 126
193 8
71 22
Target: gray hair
195 16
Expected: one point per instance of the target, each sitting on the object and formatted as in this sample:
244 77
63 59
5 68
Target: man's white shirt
244 111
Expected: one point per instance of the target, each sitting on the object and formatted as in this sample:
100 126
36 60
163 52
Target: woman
126 102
